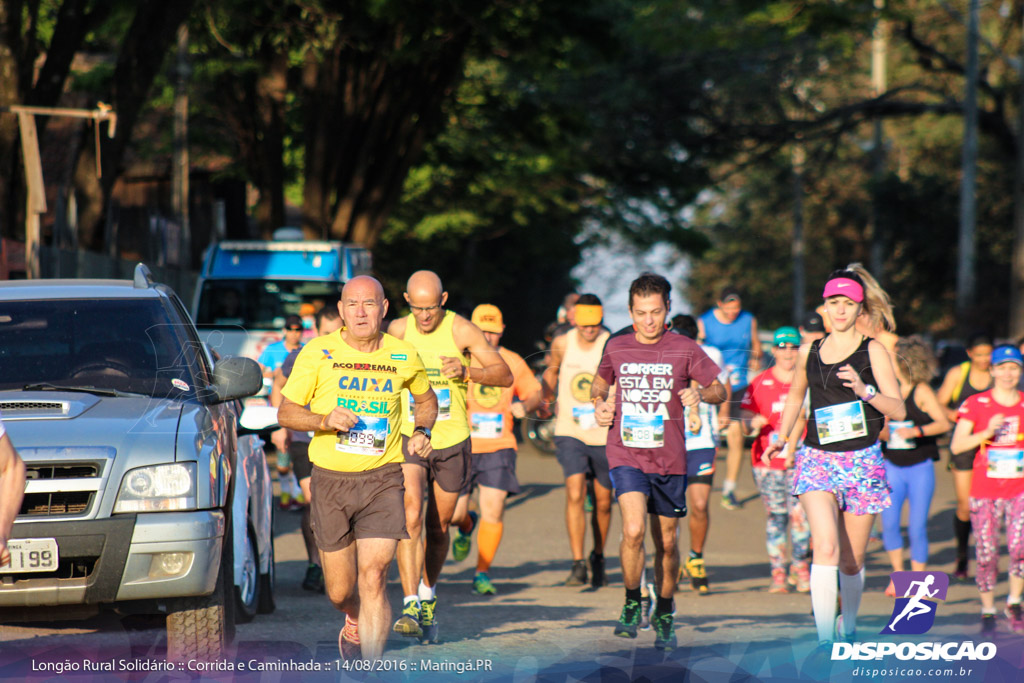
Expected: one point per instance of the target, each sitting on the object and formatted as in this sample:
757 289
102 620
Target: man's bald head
360 287
424 283
426 298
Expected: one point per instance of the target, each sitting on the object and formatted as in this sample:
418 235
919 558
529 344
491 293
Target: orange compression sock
487 540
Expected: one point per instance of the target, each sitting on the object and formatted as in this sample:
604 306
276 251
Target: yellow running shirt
490 408
330 373
452 426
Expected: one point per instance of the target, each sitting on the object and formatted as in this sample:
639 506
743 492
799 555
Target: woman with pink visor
839 474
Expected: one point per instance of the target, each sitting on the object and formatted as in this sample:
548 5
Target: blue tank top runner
733 340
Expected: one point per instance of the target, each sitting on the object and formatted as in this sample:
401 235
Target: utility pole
965 283
179 174
879 51
797 250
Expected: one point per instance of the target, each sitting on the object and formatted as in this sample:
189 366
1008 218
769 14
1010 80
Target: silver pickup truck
139 496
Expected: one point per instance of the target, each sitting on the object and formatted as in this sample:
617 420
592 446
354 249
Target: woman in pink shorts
840 474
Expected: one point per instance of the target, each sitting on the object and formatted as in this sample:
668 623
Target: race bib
779 457
486 425
705 438
1005 463
584 416
642 431
369 436
840 422
898 443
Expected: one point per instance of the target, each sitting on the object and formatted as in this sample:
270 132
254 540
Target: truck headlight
158 488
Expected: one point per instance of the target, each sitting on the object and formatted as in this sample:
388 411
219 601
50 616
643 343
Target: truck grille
59 489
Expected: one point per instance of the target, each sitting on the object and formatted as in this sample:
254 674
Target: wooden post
36 203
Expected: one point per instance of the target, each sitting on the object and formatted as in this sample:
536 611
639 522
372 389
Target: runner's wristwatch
422 430
869 393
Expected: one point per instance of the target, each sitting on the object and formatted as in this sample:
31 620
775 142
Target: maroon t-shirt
648 431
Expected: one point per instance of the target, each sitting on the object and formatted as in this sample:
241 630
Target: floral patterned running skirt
856 478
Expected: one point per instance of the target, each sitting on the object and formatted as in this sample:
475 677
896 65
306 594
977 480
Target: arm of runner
945 392
925 399
549 379
604 410
754 365
713 394
964 441
493 370
424 415
753 422
396 328
887 400
300 419
12 489
794 408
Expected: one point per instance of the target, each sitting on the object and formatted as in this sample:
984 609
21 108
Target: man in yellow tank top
352 380
445 342
579 441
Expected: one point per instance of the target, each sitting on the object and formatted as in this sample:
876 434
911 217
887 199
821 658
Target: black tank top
968 390
926 447
827 390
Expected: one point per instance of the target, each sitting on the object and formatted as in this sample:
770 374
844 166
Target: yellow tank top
575 411
452 425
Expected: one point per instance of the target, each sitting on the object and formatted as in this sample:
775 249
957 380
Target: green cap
786 335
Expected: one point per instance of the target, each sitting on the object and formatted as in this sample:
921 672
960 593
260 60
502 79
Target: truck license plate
31 555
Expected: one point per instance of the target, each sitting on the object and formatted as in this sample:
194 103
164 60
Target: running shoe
988 622
597 575
629 620
285 502
588 503
348 641
800 577
427 621
645 611
664 631
409 624
840 633
314 579
482 584
778 584
729 501
578 574
960 574
463 540
1013 613
694 568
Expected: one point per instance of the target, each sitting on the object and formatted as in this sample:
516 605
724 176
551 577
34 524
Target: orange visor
589 314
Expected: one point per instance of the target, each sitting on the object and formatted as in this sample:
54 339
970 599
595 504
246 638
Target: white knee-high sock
851 588
823 599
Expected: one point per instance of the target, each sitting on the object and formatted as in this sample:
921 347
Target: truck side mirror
235 377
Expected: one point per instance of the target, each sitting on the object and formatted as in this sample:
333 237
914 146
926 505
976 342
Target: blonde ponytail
877 304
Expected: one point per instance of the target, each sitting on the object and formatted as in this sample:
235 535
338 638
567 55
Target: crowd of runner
391 431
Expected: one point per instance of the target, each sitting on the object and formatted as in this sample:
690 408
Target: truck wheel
247 593
268 582
199 627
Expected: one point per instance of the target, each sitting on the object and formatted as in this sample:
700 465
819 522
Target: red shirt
648 431
999 465
766 395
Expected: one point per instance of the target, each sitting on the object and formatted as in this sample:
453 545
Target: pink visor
843 286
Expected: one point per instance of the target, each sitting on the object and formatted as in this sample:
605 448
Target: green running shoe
664 631
463 541
409 623
482 584
427 621
629 620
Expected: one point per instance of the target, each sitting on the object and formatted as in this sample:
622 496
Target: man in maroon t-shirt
646 444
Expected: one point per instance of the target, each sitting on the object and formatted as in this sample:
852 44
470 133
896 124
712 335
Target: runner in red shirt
763 403
990 425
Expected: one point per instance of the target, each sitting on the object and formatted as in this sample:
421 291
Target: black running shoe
629 620
314 580
578 574
597 575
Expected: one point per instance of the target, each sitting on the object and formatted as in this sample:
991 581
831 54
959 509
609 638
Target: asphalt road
537 629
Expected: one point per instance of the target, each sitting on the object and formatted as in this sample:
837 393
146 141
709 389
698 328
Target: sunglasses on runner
787 346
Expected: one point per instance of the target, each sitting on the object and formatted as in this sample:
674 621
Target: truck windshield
261 304
122 345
